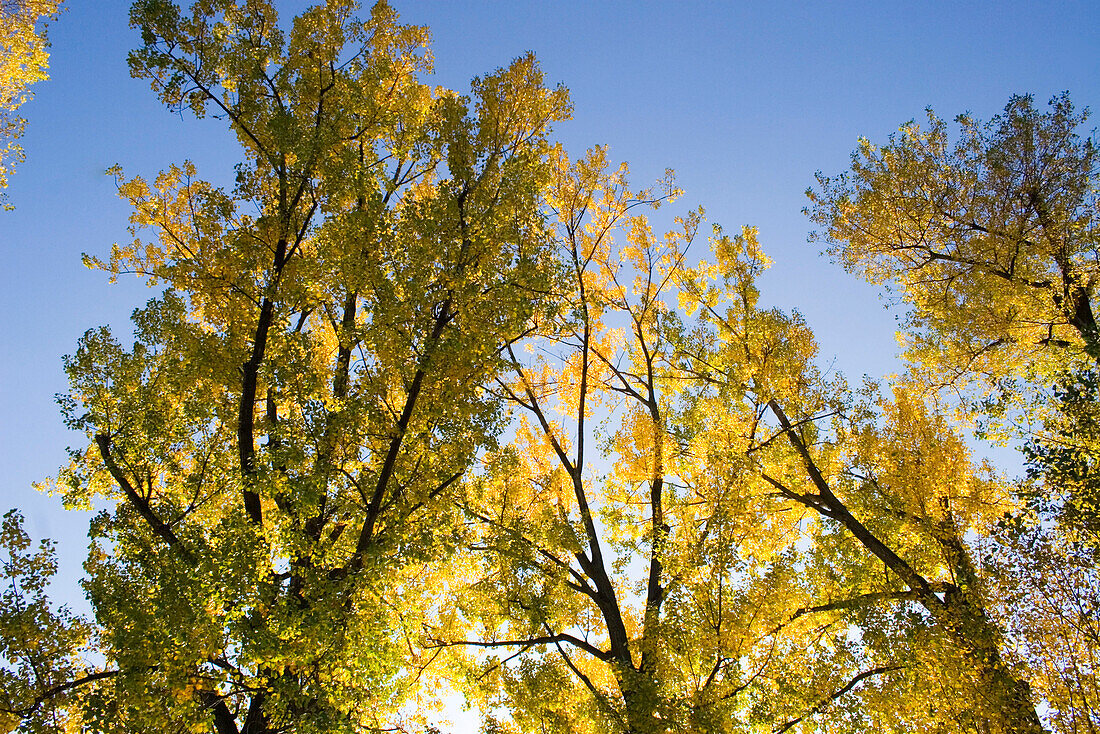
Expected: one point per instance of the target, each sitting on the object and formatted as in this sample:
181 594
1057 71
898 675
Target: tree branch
820 706
157 525
551 639
58 690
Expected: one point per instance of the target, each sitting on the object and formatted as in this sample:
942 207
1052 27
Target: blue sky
745 100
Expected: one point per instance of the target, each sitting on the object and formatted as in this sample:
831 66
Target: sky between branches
744 100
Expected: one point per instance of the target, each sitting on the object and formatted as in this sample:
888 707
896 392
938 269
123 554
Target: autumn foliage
426 404
24 61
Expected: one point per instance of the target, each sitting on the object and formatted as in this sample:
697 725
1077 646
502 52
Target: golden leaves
924 468
989 237
24 61
326 355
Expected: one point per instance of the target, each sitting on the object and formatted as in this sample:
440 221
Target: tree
696 576
1043 560
345 303
640 586
909 496
23 61
1047 588
993 239
993 242
895 495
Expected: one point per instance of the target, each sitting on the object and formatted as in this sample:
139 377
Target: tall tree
277 447
23 61
906 492
895 504
683 577
617 598
992 239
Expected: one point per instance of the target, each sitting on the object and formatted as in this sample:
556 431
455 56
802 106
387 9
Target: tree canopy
992 238
424 403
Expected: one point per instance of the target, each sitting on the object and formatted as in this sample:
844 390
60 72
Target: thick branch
864 599
840 512
398 436
157 525
250 371
223 718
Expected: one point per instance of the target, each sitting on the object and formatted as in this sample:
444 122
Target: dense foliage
426 403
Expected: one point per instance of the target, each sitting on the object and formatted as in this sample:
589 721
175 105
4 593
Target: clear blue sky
745 100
